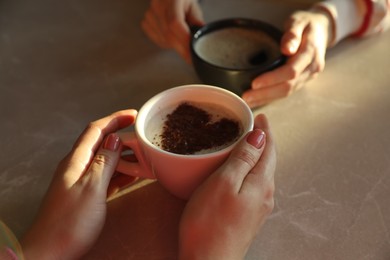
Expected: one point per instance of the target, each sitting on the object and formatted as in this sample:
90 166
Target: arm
356 17
307 36
74 208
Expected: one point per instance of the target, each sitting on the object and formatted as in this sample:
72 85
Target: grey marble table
66 63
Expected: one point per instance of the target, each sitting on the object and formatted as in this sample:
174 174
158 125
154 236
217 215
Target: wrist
328 23
36 245
347 17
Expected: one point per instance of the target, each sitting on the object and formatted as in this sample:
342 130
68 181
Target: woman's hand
166 23
224 214
305 42
74 209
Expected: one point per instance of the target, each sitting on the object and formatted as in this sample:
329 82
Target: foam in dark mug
193 128
237 47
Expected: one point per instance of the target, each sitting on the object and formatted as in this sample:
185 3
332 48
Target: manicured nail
256 138
112 142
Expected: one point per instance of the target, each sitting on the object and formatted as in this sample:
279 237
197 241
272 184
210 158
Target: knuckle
290 35
299 15
292 73
93 127
316 70
293 20
247 157
320 66
269 205
103 160
174 23
298 18
269 201
64 161
288 88
313 76
99 159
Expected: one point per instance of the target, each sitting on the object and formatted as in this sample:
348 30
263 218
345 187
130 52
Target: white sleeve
356 17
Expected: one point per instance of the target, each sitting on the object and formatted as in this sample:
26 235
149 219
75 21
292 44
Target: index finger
89 141
96 130
292 69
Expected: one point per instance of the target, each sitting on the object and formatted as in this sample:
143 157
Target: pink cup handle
137 169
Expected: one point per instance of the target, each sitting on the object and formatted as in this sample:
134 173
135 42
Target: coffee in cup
230 53
181 172
196 128
237 48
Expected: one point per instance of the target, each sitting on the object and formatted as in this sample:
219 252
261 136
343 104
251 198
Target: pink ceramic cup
179 174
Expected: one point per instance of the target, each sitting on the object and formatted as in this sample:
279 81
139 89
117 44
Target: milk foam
156 123
234 47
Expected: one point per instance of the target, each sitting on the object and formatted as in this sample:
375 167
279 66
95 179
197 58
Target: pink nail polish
256 138
112 142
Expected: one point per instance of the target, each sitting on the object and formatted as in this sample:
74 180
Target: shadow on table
141 224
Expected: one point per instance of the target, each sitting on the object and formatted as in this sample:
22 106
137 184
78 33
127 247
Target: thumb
105 161
292 37
244 157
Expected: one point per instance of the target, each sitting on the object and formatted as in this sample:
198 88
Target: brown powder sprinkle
188 129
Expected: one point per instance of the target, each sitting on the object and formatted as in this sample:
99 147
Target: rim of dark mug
249 23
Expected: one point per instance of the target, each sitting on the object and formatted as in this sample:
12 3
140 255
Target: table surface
66 63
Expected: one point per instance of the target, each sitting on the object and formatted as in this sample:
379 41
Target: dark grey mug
230 53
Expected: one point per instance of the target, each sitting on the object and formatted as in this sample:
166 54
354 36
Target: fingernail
112 142
256 138
293 46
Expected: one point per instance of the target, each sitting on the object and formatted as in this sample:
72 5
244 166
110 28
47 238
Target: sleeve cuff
347 17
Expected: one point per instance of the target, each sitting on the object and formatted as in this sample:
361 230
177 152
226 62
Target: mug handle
136 169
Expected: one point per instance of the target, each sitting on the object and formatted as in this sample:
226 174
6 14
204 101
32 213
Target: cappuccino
194 128
236 47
